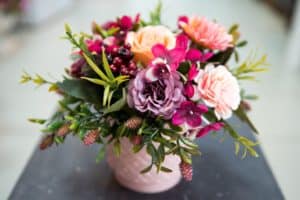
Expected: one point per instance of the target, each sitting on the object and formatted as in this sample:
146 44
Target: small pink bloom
219 89
174 56
207 33
189 113
194 55
211 127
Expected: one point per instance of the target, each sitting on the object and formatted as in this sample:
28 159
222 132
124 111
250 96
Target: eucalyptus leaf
81 89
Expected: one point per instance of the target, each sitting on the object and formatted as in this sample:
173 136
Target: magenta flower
194 55
94 46
174 56
189 88
125 23
189 113
211 127
182 19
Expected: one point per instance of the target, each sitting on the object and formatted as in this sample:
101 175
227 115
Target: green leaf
241 114
222 57
137 148
165 169
105 95
53 126
112 31
117 148
147 169
58 140
106 66
68 29
184 67
237 147
156 14
242 43
188 142
100 154
37 121
121 79
152 152
233 28
185 156
81 89
118 105
161 153
96 81
95 68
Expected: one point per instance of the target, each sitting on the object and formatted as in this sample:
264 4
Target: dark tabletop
69 171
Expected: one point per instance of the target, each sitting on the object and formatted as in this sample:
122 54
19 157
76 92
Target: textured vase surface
128 165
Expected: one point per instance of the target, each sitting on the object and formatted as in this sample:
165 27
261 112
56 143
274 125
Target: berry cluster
121 61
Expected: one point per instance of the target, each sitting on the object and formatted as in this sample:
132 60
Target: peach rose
219 89
144 39
207 33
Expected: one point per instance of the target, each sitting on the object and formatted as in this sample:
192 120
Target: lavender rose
160 97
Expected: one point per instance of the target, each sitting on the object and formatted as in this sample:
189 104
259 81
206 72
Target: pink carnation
207 33
219 89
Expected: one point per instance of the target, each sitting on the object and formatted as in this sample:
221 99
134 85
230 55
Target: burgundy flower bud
125 23
47 142
76 68
136 140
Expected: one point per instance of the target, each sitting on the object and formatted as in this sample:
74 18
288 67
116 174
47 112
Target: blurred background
30 33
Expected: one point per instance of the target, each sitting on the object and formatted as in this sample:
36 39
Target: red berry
117 61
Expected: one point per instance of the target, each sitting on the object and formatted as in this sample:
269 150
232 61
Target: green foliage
241 114
118 105
37 121
81 89
107 79
155 15
105 33
241 141
38 80
101 154
251 65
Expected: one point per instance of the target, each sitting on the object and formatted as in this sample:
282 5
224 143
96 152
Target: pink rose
219 89
206 33
144 39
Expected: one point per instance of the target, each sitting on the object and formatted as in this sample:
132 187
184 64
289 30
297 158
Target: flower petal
177 118
189 90
193 72
211 127
182 41
194 55
194 121
159 50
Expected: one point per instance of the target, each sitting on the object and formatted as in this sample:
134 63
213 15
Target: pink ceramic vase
128 165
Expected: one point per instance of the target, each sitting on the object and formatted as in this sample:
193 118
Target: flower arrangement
162 89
